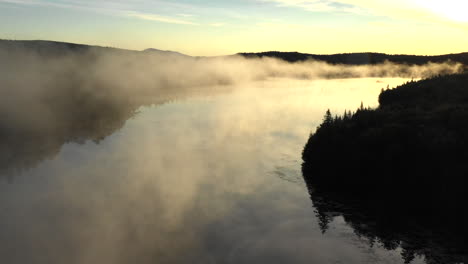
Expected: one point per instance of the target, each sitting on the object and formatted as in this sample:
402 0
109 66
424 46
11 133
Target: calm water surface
208 179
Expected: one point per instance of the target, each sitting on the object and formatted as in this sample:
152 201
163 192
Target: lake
209 178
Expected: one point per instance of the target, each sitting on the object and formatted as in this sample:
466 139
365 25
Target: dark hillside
45 48
398 173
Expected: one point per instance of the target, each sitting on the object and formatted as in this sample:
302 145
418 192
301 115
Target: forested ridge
363 58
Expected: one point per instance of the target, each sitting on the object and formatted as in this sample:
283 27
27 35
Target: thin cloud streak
109 7
122 11
159 18
311 5
66 5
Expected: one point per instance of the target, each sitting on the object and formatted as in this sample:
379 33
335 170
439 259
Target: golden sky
218 27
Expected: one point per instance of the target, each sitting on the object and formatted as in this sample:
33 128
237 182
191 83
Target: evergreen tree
328 118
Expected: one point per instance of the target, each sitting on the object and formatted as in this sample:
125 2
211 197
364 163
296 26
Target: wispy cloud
16 2
159 18
309 5
110 8
107 7
419 10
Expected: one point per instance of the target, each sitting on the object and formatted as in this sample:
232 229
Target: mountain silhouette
166 52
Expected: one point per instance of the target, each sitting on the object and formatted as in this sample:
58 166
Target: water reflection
26 148
69 114
195 181
437 237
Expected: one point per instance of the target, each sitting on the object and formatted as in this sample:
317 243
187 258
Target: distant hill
166 52
51 48
55 48
360 58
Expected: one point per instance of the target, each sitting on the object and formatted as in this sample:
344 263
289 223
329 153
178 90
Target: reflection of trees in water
439 238
25 148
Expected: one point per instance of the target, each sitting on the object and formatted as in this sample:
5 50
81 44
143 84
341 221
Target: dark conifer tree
328 118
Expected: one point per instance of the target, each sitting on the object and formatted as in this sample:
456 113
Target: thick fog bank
89 93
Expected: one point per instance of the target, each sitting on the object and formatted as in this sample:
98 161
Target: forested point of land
398 173
416 141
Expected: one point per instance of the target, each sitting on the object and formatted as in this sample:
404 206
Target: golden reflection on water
212 179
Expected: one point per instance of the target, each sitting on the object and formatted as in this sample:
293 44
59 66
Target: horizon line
237 53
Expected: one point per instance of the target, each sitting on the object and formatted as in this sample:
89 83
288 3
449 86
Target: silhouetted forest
360 58
403 164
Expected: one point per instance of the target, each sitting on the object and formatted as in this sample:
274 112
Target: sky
221 27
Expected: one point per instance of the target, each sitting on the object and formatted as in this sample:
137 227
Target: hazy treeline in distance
364 58
52 92
400 169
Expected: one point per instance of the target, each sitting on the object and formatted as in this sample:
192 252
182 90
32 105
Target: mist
191 181
34 83
50 98
200 181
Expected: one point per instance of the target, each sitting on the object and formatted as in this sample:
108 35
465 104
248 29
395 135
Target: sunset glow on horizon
220 27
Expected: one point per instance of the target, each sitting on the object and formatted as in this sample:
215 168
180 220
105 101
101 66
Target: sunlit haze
233 131
219 27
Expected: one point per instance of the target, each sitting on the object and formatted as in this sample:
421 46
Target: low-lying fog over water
210 178
112 156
